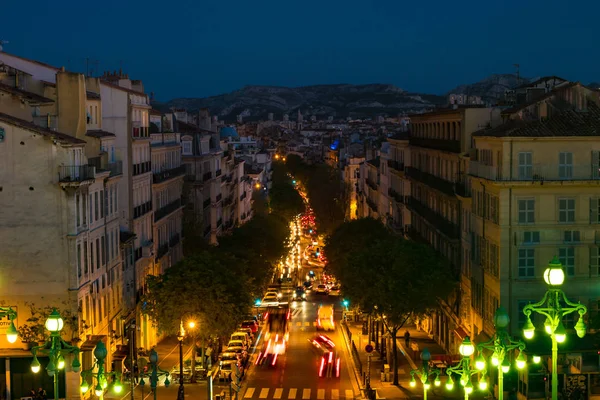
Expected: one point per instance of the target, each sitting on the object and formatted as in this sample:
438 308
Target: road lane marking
298 323
315 323
335 394
349 395
306 323
249 393
321 394
264 393
292 393
278 393
305 394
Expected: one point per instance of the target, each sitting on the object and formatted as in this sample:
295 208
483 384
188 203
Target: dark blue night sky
197 48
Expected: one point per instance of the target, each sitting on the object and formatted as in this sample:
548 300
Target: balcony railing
162 176
452 146
371 184
450 229
431 180
372 204
462 189
217 173
218 198
396 196
206 203
228 201
76 173
243 196
166 210
174 240
206 176
219 222
115 168
162 250
396 165
142 209
141 132
141 168
536 173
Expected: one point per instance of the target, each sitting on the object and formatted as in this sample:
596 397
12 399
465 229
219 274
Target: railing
353 348
162 250
396 196
142 168
450 229
166 210
431 180
243 196
228 201
168 174
142 209
115 168
206 203
372 204
141 132
218 198
164 138
76 173
452 146
46 121
217 173
371 184
396 165
207 176
219 222
536 173
462 189
174 240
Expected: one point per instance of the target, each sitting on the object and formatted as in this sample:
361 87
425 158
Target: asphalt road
296 374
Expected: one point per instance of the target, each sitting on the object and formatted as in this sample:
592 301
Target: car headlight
279 295
303 295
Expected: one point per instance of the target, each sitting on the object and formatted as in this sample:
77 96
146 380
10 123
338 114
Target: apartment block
399 185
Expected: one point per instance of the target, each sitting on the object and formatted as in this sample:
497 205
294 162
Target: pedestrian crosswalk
306 323
298 394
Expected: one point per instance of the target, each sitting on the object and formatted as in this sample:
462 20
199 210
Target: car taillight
274 359
322 365
258 358
330 357
337 368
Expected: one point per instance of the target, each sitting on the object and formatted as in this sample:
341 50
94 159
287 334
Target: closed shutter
593 210
596 164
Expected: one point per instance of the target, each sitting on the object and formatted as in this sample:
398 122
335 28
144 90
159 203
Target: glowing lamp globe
483 384
554 274
580 327
480 363
560 334
466 349
11 333
426 385
61 362
505 366
437 381
520 361
54 323
84 387
35 365
495 359
537 359
98 390
118 387
450 384
528 329
469 388
413 383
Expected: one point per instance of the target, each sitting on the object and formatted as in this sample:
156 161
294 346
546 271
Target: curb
405 354
357 376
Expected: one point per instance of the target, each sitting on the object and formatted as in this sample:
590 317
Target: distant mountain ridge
492 88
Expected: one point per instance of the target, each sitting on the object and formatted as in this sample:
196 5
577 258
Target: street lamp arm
530 307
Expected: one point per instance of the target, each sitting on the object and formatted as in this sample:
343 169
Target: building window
103 250
84 209
595 261
526 211
85 257
566 255
186 148
525 165
77 205
531 237
79 260
571 236
594 211
98 253
96 206
91 208
92 256
566 210
565 165
526 263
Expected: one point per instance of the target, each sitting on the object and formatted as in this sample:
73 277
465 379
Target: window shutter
596 164
593 210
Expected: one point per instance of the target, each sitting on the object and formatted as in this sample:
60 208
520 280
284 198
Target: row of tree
387 276
217 285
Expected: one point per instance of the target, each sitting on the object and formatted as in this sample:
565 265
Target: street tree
398 280
285 200
350 237
326 196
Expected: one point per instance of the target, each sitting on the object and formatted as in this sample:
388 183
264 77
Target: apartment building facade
399 185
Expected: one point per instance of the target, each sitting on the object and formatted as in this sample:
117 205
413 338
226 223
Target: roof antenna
2 42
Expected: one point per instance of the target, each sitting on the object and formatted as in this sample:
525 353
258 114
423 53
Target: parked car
248 331
250 324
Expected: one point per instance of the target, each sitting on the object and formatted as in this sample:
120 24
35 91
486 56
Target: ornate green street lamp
554 306
424 373
102 377
501 344
55 348
11 331
464 371
154 373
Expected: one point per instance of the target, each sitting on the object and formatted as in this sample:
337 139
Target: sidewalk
408 359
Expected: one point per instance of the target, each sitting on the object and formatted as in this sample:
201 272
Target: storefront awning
91 342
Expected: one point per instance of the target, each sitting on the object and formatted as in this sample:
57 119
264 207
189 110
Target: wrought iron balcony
162 250
206 203
218 198
371 184
140 132
207 176
228 201
452 146
162 176
217 173
396 196
396 165
174 241
536 172
142 209
166 210
76 173
142 168
115 168
372 204
430 180
447 228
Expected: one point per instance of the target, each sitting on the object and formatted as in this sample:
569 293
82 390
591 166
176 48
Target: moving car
329 359
334 291
325 318
299 294
270 300
321 289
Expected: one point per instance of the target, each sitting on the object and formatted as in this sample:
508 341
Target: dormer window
186 148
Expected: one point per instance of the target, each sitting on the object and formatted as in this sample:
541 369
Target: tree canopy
210 287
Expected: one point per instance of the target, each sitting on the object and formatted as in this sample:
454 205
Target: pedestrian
41 394
407 338
32 394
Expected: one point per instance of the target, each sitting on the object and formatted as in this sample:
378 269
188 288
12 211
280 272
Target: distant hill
340 100
492 88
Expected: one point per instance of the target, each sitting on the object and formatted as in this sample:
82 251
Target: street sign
369 348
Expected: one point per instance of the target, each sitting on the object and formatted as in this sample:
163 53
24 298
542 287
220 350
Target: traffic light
257 302
294 182
345 303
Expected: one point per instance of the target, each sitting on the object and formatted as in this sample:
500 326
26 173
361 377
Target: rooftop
99 133
30 126
29 96
374 162
92 95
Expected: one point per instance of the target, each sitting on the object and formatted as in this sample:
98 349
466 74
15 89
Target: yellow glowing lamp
84 387
495 359
528 329
469 388
449 384
466 349
480 363
11 333
483 384
537 359
191 324
521 361
505 366
560 334
437 381
118 387
426 385
61 362
554 274
35 365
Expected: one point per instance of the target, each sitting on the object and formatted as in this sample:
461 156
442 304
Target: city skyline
228 46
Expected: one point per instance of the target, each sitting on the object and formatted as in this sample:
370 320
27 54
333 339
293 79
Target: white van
325 318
